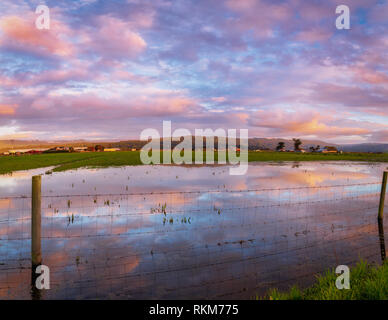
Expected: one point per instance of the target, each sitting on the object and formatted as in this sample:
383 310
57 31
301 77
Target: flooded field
169 232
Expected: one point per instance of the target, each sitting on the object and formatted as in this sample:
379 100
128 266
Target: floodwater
175 232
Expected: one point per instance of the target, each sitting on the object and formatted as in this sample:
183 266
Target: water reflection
203 244
36 294
173 178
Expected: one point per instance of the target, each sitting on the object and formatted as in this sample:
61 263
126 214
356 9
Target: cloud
91 107
370 76
314 35
303 123
246 19
367 99
275 67
115 38
7 109
380 136
219 99
21 34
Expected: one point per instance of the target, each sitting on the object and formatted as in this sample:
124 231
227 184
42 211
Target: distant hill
253 144
265 143
365 147
6 145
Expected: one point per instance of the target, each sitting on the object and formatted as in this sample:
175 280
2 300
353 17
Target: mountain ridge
253 143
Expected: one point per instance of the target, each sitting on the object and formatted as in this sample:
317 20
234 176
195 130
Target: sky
106 70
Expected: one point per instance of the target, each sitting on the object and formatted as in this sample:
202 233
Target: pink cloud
114 38
219 99
88 106
8 81
7 109
313 35
247 11
21 33
306 123
370 76
369 100
381 135
128 76
110 36
112 65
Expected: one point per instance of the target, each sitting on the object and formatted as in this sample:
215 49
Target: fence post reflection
35 292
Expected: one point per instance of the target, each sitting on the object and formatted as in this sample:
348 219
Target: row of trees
297 145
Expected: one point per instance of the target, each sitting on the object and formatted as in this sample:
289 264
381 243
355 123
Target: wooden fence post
36 254
382 239
382 195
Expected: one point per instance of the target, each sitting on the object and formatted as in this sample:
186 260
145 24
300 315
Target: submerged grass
69 161
367 282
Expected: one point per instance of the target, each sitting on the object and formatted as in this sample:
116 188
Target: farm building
329 149
111 149
26 151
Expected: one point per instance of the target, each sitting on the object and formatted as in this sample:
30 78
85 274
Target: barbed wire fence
214 244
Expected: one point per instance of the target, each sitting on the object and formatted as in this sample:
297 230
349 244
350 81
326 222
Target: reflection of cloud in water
6 204
310 177
147 179
116 246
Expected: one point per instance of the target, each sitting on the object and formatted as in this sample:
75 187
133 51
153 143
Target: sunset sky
109 69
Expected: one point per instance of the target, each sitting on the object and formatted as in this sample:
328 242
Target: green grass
290 156
367 282
68 161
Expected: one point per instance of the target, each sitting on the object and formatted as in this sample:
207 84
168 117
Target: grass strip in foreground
367 282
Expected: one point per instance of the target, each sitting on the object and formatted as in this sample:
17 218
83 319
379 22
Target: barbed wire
238 242
202 209
192 191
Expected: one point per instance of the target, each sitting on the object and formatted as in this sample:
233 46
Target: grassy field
67 161
366 283
290 156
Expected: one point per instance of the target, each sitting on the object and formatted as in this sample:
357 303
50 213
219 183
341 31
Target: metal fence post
36 254
382 195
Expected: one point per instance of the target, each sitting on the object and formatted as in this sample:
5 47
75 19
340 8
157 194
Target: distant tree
297 144
99 148
315 149
280 146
